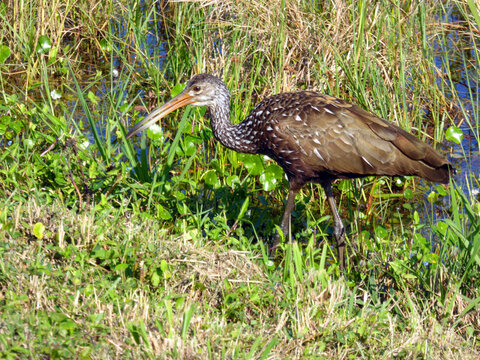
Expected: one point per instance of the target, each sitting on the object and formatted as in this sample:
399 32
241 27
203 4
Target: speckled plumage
314 138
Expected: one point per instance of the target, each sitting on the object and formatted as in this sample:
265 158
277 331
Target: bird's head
201 90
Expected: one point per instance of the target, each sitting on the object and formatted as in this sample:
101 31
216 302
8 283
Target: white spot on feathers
316 152
368 162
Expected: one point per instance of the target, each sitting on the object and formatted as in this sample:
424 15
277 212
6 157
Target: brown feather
316 136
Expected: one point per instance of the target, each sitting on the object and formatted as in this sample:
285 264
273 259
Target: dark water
459 49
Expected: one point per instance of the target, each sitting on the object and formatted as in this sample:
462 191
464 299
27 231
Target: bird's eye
196 88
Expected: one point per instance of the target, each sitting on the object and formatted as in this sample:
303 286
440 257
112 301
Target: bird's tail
439 174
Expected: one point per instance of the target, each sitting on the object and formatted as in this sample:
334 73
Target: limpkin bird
314 138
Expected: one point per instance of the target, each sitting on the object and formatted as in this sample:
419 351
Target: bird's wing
408 144
329 135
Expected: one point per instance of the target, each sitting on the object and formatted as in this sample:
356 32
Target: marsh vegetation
158 248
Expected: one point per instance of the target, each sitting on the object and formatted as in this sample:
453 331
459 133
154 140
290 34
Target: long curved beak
178 101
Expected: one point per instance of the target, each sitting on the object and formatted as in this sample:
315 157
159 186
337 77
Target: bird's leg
285 225
338 229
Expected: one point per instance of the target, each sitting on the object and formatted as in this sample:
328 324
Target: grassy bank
161 253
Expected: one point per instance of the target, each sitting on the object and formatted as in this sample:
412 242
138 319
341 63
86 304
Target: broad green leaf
121 267
44 44
4 53
253 163
215 164
155 132
275 170
177 89
268 180
190 144
381 232
68 324
163 265
232 180
211 178
39 230
344 185
162 212
441 190
402 270
105 45
165 270
454 134
93 98
408 193
416 217
442 228
155 279
432 197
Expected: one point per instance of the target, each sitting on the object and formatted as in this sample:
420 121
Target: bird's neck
240 137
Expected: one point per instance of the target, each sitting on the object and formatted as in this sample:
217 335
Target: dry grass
232 300
311 39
